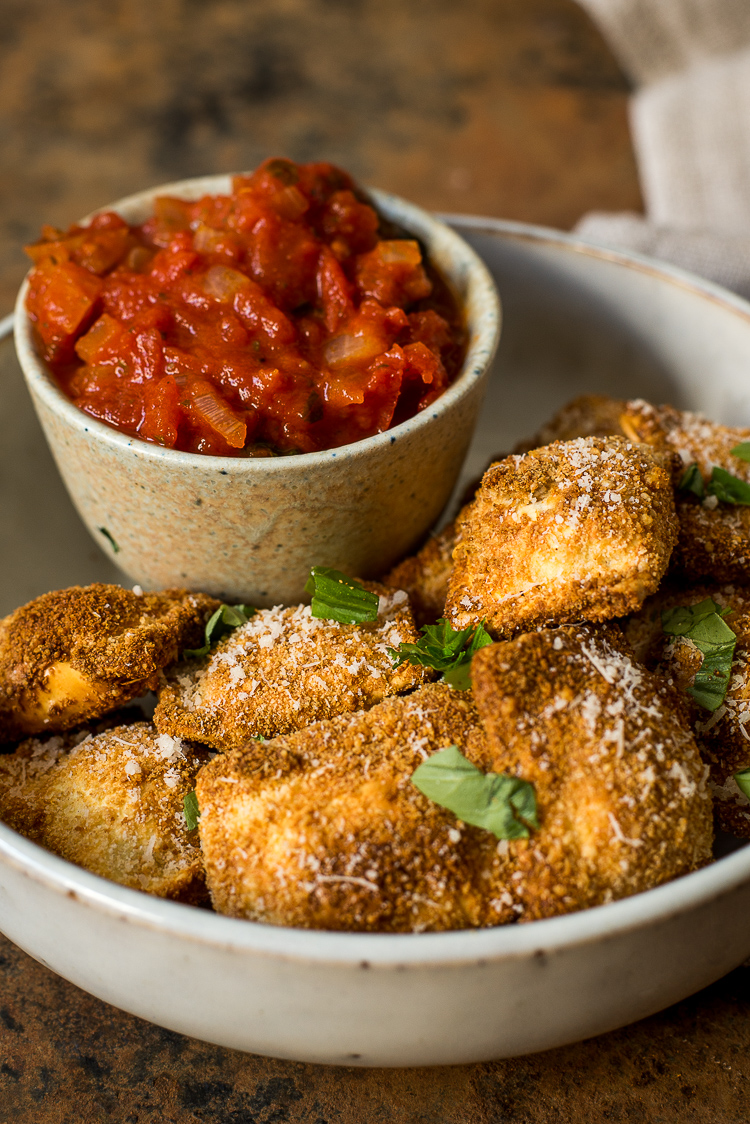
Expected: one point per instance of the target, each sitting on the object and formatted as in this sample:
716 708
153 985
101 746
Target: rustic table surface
513 108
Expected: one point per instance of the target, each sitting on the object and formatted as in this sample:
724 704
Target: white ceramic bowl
578 319
249 530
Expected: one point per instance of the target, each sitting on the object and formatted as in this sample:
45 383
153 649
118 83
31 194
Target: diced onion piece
224 283
401 250
212 408
352 351
206 240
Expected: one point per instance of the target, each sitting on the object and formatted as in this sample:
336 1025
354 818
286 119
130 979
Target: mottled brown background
504 107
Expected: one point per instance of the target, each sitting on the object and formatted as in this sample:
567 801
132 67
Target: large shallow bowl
250 529
578 318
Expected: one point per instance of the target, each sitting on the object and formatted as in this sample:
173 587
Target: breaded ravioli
323 829
576 530
76 653
111 803
425 576
621 789
723 734
285 669
714 537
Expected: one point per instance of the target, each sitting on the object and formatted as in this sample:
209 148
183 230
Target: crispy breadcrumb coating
714 537
577 530
111 803
323 829
425 576
724 734
285 669
76 653
621 789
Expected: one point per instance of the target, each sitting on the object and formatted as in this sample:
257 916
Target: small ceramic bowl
249 530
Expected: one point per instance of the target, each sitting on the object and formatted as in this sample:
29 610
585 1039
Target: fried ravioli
714 537
76 653
576 530
621 790
111 803
724 734
323 829
285 669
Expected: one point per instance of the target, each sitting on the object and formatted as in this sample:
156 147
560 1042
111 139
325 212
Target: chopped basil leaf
742 451
224 620
504 805
692 481
191 809
704 625
445 649
727 487
110 537
335 597
743 782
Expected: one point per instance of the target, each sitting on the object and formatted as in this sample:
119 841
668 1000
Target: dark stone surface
70 1059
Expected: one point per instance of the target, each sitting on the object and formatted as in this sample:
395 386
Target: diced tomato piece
334 291
102 249
351 222
171 263
283 258
148 356
262 317
161 420
424 365
103 340
393 273
62 300
429 328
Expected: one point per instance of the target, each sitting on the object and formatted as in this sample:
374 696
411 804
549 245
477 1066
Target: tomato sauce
286 317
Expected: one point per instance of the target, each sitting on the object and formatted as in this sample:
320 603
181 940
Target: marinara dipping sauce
283 318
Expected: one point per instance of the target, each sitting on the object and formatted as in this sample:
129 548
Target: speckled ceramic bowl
579 319
249 530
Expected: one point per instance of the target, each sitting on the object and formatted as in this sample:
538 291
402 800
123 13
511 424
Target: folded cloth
720 258
690 116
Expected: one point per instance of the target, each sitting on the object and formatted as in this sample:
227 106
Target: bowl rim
482 345
391 950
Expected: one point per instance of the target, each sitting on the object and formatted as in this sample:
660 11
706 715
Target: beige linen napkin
690 118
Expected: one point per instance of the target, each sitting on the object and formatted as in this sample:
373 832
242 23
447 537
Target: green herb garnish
335 597
727 487
742 451
504 805
743 782
224 620
705 626
191 810
445 649
110 538
692 481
